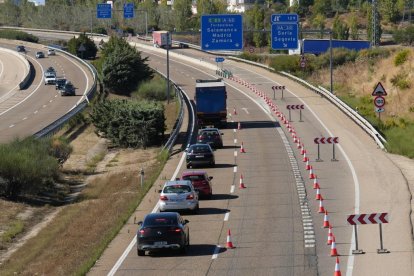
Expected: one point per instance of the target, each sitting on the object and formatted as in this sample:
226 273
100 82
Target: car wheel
196 209
210 195
141 252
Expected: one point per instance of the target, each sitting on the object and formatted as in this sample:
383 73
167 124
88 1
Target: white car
51 52
178 195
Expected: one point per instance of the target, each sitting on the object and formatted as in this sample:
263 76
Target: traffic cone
241 186
337 270
330 236
242 148
334 252
318 195
234 111
299 146
321 209
315 183
239 126
305 158
302 151
229 244
326 219
311 174
308 167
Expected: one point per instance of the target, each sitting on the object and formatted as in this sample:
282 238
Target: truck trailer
161 39
211 102
319 46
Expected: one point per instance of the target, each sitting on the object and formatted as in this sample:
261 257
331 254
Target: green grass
15 228
91 165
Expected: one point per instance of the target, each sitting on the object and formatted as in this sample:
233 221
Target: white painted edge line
216 251
226 216
232 188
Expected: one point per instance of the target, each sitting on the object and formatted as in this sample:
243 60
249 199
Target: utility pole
168 67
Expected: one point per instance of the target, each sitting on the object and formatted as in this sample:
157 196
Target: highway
24 112
270 226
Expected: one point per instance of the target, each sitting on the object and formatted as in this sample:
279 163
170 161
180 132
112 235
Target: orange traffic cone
302 151
234 111
334 252
337 270
308 167
330 236
242 148
315 183
229 244
305 158
241 186
311 174
318 195
321 209
298 145
326 219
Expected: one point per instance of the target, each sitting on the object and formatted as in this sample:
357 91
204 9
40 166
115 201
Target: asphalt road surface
275 232
27 111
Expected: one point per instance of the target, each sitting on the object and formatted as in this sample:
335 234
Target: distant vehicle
51 52
319 46
183 45
161 39
59 83
178 195
211 102
161 231
211 136
20 48
68 89
200 155
201 182
50 76
40 55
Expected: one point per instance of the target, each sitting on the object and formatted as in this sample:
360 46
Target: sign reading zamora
221 32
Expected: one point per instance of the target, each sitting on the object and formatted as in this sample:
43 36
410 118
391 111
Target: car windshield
200 149
177 189
159 221
209 133
194 177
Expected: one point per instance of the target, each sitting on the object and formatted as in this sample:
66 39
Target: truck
211 102
50 76
161 39
319 46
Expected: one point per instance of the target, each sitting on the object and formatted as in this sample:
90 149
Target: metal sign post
382 249
274 93
283 88
141 173
333 153
319 157
300 115
356 250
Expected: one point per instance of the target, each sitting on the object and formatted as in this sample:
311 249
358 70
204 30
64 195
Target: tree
389 10
123 68
82 46
322 7
182 12
354 27
339 29
318 22
404 36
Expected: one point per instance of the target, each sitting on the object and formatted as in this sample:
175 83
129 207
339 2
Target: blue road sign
221 32
284 18
103 11
219 59
284 36
129 10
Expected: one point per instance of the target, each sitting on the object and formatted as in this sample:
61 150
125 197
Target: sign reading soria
221 32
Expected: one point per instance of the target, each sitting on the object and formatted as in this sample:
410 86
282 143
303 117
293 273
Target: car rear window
200 149
177 189
194 177
158 221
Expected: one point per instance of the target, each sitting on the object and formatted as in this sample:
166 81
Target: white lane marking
25 118
44 106
226 216
234 130
11 126
235 141
121 259
235 168
350 264
235 153
50 101
245 110
232 189
216 251
35 111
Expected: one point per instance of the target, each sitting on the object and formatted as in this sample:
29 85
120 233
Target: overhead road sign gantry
285 31
128 10
221 32
103 11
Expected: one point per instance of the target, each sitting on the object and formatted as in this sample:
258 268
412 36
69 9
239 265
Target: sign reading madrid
221 32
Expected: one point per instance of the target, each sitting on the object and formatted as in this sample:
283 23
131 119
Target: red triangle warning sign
379 90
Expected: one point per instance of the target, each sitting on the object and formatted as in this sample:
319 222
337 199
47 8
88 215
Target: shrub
18 35
153 90
401 57
401 80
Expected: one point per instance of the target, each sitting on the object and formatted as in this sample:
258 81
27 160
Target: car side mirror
186 221
139 222
210 177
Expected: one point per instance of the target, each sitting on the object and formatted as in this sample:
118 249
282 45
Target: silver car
178 195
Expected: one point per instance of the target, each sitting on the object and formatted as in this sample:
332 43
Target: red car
201 182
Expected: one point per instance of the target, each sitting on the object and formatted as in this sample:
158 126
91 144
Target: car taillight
163 198
200 137
190 196
176 230
142 231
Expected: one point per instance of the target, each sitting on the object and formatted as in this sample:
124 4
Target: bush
401 80
401 57
100 30
130 123
83 40
18 35
153 90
